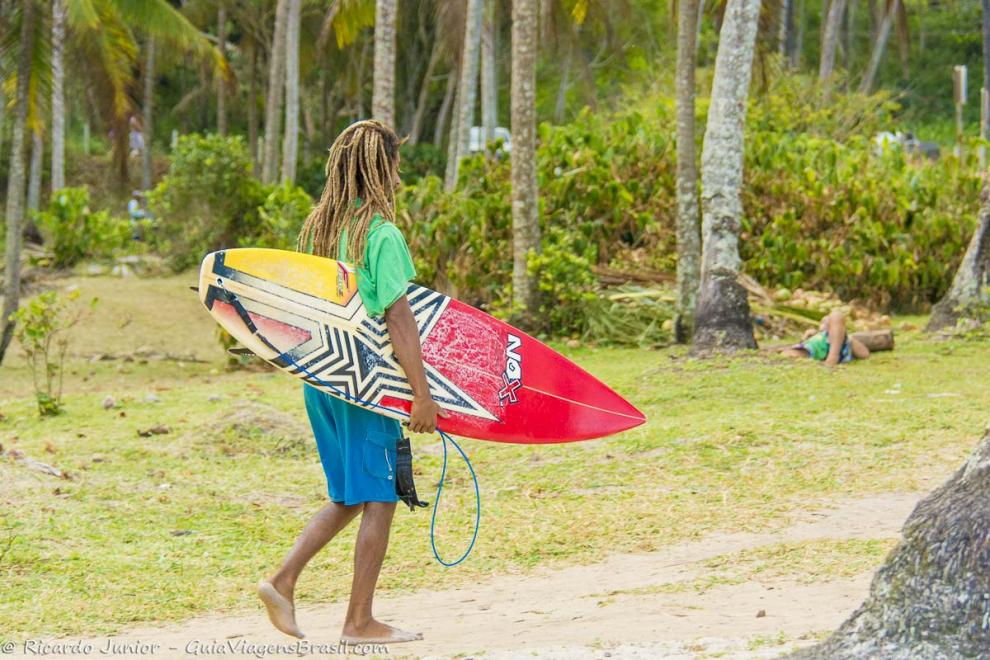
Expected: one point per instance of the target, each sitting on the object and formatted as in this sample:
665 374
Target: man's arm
405 342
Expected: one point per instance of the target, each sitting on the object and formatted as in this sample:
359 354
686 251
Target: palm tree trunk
383 95
252 109
58 95
883 35
986 45
830 42
15 181
290 144
276 84
798 45
785 29
3 115
722 319
688 231
444 113
450 175
424 94
221 83
467 92
525 218
34 173
489 82
149 100
967 297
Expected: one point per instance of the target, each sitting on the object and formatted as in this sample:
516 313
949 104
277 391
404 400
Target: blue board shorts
356 446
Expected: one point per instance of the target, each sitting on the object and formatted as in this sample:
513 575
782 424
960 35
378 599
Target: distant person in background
137 213
830 343
136 136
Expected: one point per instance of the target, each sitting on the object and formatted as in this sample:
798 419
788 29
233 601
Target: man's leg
369 553
323 527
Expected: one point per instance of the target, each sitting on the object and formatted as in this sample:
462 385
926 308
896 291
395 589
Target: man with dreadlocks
357 447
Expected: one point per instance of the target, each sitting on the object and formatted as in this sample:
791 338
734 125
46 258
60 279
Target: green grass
166 527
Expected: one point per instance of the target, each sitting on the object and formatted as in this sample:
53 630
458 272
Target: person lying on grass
830 343
357 447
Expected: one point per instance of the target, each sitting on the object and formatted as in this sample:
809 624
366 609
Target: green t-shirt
387 269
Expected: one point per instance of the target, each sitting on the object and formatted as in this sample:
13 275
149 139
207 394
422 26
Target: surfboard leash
231 299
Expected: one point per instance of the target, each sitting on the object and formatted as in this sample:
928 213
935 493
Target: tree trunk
525 209
967 297
276 84
383 96
15 181
290 144
565 82
443 114
3 114
424 94
58 95
252 110
876 57
149 98
34 173
847 51
929 599
489 82
468 88
688 232
785 30
798 45
221 82
986 45
450 174
830 42
722 319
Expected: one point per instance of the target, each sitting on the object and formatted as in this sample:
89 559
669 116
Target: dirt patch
559 614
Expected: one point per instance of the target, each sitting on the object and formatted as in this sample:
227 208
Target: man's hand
423 416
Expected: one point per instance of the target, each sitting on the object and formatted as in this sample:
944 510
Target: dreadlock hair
360 169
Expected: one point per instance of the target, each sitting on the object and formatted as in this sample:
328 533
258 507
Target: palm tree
894 9
383 96
34 172
467 89
276 80
149 115
525 209
15 180
722 318
58 95
830 42
290 144
688 233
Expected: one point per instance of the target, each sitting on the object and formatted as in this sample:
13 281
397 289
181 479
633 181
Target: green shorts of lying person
830 344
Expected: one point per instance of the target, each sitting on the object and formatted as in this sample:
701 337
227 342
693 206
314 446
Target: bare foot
281 611
376 632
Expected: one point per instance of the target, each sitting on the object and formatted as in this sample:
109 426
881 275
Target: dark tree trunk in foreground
688 232
15 182
967 297
722 318
929 599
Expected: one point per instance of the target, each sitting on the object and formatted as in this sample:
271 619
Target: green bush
73 232
280 217
821 209
42 324
207 200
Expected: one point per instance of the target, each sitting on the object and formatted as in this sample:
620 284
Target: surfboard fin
239 351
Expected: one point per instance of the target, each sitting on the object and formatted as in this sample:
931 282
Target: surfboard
303 314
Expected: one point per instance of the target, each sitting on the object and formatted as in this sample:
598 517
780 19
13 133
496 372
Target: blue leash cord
243 314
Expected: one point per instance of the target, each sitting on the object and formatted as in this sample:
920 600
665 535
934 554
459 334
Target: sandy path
569 613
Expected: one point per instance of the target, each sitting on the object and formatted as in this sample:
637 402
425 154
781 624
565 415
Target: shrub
207 200
280 217
73 231
41 330
821 209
